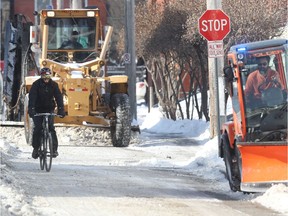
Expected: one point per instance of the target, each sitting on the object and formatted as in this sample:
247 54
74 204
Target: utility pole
85 3
130 51
59 4
36 18
216 81
76 4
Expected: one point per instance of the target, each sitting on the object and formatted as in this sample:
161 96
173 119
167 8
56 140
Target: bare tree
254 20
167 39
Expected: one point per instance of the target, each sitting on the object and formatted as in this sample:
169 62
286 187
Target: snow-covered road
147 178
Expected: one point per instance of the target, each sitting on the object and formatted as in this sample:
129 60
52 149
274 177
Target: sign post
214 25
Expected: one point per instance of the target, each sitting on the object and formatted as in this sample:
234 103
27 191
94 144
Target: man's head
45 74
75 35
263 64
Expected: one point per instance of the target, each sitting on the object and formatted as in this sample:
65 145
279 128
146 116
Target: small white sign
215 49
126 58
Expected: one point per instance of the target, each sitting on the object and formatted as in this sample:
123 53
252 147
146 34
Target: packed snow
205 163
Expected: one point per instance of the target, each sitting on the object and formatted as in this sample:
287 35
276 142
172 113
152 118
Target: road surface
102 180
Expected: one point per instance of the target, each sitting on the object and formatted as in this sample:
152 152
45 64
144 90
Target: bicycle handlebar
46 114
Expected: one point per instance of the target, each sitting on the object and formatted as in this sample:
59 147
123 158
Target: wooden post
216 86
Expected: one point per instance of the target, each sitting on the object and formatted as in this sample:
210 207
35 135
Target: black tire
42 156
28 122
231 167
49 152
121 127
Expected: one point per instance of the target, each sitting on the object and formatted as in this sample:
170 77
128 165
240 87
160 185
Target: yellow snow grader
254 141
73 44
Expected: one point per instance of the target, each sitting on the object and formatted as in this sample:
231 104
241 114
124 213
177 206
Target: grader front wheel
121 128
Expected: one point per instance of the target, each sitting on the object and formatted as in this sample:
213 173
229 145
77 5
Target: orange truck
254 140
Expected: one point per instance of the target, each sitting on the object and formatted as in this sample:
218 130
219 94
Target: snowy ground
205 162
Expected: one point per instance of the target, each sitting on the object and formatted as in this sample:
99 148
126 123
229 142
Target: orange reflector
44 13
78 89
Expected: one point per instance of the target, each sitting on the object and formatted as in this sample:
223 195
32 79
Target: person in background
73 42
42 96
260 80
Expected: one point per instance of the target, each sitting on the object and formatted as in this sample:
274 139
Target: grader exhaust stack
106 43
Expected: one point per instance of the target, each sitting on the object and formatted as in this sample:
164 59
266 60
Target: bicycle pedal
55 154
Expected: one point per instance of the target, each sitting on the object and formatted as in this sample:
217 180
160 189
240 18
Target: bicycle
46 146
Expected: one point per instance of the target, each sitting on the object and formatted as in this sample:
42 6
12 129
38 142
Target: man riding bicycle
42 96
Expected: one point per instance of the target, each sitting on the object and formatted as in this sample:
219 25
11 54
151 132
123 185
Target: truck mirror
228 74
229 89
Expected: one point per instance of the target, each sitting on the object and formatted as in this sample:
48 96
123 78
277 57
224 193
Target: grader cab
73 44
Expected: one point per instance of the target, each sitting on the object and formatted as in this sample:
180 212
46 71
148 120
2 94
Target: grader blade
263 165
11 124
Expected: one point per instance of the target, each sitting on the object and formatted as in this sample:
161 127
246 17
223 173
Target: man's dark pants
36 138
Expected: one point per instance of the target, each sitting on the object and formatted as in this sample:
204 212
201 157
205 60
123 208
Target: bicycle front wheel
49 152
42 153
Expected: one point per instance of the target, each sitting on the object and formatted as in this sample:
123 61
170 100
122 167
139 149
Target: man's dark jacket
41 96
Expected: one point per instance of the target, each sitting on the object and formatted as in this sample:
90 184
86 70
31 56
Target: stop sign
214 25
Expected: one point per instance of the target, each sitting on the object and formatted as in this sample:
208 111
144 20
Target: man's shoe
35 154
55 154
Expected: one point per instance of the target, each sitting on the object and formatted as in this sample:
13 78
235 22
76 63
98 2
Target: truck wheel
231 166
121 127
28 122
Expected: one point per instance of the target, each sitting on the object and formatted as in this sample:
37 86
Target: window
64 30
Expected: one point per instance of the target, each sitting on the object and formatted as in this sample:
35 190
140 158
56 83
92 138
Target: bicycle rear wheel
49 152
42 153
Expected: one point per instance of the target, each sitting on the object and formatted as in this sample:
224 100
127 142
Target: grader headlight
50 13
46 13
90 14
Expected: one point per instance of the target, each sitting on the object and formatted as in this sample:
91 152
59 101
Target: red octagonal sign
214 25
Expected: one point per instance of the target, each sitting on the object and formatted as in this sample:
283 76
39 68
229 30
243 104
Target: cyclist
42 96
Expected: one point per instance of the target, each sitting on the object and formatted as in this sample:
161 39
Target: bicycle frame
46 147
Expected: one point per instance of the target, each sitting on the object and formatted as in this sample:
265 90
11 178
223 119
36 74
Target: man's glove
61 112
31 112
